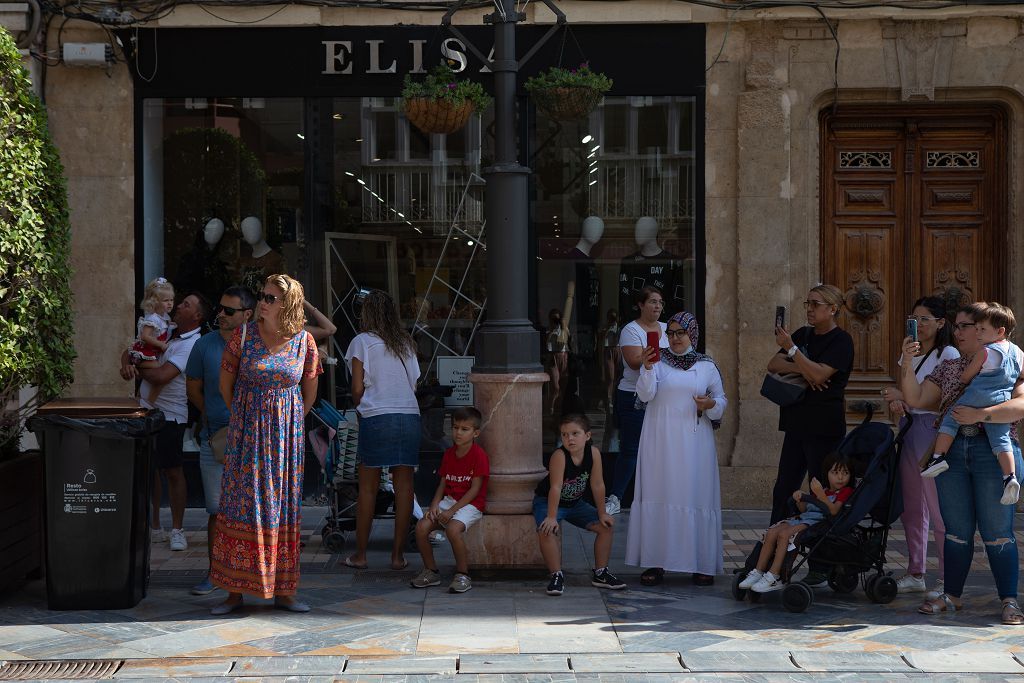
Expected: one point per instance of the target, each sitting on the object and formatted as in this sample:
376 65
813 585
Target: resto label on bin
83 498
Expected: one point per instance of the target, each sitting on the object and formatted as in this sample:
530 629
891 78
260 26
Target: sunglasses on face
228 310
267 298
960 327
814 303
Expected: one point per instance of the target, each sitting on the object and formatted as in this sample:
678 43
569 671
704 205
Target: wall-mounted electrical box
87 54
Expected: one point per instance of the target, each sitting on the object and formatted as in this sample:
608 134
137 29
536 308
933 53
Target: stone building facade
771 91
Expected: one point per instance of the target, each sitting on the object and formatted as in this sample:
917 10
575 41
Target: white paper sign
454 371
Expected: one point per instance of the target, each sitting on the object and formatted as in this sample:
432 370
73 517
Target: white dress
676 519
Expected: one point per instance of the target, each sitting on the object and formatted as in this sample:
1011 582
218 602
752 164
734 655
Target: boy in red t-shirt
458 502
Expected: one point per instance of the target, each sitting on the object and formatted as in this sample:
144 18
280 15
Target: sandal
1012 616
653 576
939 604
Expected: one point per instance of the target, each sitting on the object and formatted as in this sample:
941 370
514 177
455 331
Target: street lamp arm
560 21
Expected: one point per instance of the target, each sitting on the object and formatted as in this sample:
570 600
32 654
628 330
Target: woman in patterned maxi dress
270 383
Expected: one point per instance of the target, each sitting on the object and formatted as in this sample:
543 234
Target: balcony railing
659 186
426 195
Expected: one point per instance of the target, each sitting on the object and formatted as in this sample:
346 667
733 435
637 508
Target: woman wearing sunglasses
269 379
969 490
382 360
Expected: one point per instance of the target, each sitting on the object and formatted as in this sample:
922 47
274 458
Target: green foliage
36 331
580 77
443 84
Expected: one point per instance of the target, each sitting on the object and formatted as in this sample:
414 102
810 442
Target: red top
458 474
841 495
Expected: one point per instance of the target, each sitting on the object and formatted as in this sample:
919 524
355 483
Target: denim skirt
389 440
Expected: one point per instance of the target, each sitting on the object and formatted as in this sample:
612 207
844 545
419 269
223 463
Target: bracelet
792 351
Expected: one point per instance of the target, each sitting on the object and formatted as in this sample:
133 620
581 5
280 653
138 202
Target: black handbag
784 390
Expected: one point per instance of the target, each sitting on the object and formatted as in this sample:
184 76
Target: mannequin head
252 230
646 231
213 232
592 229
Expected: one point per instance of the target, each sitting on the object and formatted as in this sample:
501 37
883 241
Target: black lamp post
507 341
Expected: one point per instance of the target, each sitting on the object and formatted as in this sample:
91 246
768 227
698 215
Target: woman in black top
823 353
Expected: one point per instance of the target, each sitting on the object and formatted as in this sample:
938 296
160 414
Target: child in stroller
813 507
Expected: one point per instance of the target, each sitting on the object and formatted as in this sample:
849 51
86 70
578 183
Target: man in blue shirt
202 382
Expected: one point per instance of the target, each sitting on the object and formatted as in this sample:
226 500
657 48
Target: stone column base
504 542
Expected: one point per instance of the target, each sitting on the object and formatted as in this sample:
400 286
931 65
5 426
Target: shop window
223 194
614 213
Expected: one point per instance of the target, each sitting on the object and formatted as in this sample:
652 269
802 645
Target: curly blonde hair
151 297
292 318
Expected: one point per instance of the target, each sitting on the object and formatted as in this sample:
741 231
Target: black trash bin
96 455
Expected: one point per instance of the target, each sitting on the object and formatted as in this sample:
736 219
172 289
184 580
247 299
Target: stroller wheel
841 582
740 593
797 597
334 541
884 590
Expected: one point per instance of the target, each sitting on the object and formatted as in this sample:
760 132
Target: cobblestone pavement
369 624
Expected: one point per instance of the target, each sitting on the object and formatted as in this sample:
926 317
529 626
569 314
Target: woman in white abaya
675 523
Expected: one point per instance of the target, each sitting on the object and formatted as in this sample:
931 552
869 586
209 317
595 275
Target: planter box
21 518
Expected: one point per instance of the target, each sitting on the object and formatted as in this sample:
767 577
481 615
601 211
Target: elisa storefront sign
345 57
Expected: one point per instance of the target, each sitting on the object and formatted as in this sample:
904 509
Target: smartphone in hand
912 328
654 340
780 316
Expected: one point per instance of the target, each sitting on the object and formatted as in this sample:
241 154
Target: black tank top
575 480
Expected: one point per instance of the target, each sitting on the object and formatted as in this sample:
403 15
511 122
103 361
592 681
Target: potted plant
568 94
442 102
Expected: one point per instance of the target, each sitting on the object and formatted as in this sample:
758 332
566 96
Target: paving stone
378 666
173 668
288 666
816 660
638 662
512 664
965 662
741 662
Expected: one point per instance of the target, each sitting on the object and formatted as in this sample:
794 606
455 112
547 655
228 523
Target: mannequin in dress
263 261
650 266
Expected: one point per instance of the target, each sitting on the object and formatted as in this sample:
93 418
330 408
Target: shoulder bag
219 439
784 389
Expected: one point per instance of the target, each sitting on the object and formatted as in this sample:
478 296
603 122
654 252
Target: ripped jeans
969 494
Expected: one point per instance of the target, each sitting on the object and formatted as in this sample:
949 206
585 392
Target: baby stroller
853 542
334 439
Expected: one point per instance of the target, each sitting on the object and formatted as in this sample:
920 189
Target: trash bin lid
94 407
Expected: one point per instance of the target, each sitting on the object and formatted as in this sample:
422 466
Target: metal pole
507 341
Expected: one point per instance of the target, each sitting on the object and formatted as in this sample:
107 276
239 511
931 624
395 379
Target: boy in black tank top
559 496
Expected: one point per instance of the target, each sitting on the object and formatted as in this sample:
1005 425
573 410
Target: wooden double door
914 203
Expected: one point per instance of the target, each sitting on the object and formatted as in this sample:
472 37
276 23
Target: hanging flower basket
568 94
437 116
442 103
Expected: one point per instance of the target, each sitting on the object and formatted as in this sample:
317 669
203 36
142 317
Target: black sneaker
935 466
605 579
557 584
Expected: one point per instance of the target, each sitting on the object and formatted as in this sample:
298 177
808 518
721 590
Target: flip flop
405 563
653 576
938 605
349 563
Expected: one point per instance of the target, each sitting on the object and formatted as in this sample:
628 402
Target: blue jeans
969 494
631 423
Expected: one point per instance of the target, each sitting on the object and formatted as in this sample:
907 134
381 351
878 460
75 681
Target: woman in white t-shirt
629 417
920 500
382 361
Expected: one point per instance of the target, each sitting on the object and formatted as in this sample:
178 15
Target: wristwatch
792 351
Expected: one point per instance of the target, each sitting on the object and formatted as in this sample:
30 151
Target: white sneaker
768 583
938 589
178 541
612 505
911 584
752 578
1011 490
157 535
